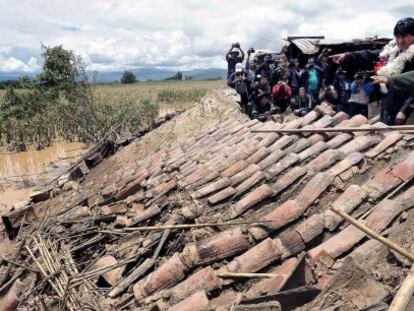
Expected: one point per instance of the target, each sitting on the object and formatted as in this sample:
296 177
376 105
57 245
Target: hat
404 26
239 67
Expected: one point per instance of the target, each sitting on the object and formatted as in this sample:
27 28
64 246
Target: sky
180 34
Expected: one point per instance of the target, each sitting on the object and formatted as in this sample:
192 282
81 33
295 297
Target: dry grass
178 93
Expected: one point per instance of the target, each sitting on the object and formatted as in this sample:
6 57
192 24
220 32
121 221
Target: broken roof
226 173
311 46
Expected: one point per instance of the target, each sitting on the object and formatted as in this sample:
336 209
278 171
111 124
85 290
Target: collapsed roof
230 172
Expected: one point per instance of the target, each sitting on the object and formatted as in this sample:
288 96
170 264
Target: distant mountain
143 74
151 73
14 75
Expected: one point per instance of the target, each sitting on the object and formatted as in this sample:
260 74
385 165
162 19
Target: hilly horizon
142 74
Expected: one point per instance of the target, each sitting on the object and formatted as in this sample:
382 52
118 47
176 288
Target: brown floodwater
21 172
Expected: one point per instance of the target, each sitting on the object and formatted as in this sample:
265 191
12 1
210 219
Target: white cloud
10 63
113 34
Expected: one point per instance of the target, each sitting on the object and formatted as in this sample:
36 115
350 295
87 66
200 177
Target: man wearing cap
234 55
398 56
263 107
241 80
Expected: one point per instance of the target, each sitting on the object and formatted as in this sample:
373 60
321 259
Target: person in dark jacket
267 68
400 83
400 56
263 107
260 86
241 80
343 88
294 76
234 56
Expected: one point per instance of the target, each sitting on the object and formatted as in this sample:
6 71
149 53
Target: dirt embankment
217 106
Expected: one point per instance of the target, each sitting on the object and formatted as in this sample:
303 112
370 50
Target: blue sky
114 35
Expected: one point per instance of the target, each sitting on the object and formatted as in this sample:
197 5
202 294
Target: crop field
176 93
28 122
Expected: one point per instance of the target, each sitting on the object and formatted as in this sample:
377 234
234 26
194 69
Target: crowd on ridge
278 84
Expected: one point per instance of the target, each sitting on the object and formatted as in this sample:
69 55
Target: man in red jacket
281 95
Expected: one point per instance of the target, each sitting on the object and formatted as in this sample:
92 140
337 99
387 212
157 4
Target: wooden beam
388 243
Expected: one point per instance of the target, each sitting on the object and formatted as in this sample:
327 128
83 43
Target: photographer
294 76
261 86
312 78
281 95
399 58
263 107
361 89
241 80
267 68
302 103
343 88
234 55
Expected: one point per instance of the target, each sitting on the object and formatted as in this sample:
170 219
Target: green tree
128 77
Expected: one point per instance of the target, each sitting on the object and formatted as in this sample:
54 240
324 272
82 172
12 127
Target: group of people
278 84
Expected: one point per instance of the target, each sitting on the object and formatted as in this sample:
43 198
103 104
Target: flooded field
22 172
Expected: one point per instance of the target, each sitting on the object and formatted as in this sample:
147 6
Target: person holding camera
260 86
398 57
241 80
267 68
263 107
343 88
234 55
294 76
361 89
312 78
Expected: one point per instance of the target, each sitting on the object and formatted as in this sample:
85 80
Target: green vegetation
61 103
174 95
128 77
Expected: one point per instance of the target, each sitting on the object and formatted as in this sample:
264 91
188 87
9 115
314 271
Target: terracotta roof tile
255 259
222 195
352 197
244 174
251 199
225 244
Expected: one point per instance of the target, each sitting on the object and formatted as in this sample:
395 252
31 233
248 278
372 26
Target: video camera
251 50
363 73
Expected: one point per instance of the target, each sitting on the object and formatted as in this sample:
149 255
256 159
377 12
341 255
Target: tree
128 77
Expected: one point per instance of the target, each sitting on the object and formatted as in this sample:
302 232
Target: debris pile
230 219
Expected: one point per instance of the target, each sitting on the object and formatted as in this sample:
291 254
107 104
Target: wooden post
409 128
404 294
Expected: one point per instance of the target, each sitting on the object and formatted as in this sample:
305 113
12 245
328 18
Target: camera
292 63
251 50
363 74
